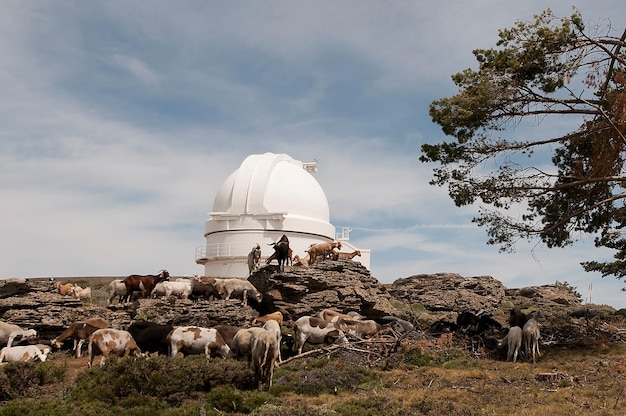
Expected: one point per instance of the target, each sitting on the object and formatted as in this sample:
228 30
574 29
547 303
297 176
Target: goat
79 332
265 350
242 342
531 335
227 332
144 283
9 332
359 328
158 291
276 316
79 293
181 288
332 316
282 252
316 331
22 353
64 290
203 288
108 340
274 256
399 325
117 288
514 342
273 327
228 287
253 259
304 261
322 249
517 318
336 255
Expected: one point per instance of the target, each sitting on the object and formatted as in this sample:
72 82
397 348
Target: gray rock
343 285
449 292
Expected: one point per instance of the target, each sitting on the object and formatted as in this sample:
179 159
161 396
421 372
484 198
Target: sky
121 119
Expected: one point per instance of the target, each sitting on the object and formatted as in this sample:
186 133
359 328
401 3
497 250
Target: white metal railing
223 250
344 235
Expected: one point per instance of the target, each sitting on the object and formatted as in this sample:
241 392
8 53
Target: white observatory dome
272 183
267 196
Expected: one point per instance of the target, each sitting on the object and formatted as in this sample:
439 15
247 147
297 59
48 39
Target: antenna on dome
310 166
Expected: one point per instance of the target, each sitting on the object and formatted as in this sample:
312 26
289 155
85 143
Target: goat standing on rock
345 256
253 259
237 287
281 252
323 250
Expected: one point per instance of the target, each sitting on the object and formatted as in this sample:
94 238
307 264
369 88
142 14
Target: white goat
181 288
531 337
117 288
273 327
22 353
9 332
237 287
78 292
514 343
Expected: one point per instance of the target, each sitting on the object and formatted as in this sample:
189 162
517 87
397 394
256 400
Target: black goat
281 249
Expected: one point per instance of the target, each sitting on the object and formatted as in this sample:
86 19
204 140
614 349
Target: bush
227 398
170 379
322 376
373 405
17 380
50 372
418 358
31 407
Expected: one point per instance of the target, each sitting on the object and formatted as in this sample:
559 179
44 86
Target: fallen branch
304 354
350 346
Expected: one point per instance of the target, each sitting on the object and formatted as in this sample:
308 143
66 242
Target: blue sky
121 119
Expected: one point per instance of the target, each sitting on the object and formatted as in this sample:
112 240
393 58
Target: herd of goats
260 343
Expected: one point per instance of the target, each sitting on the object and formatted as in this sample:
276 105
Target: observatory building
267 196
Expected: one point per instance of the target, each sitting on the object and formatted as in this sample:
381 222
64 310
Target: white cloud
136 67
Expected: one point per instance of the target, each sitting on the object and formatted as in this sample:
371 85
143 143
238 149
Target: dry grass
563 382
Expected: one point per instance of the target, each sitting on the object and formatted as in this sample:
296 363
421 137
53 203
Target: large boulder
343 285
449 292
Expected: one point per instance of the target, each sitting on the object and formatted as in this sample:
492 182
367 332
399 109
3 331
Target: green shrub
226 398
17 380
302 409
322 376
32 407
50 372
418 307
448 358
451 358
171 380
416 357
372 405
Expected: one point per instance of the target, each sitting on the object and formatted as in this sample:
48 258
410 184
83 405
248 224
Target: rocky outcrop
558 294
344 285
41 307
449 292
